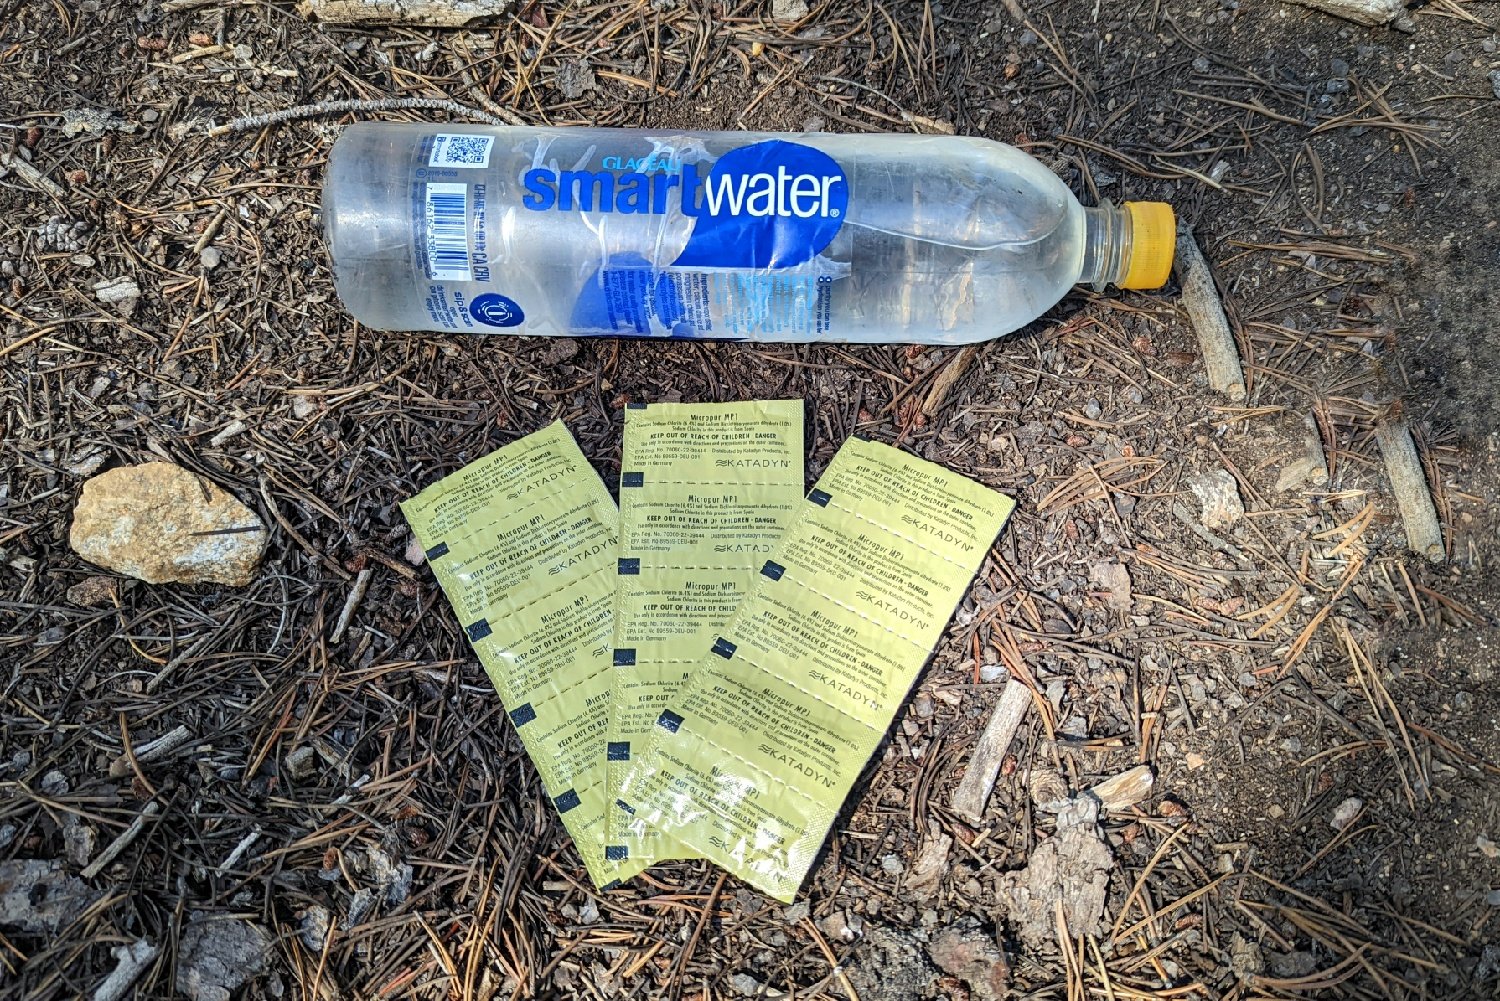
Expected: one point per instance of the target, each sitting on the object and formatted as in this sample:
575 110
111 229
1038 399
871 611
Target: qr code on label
460 151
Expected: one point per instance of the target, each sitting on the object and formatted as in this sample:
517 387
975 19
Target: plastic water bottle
716 235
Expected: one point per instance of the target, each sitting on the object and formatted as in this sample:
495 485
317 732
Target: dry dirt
1342 183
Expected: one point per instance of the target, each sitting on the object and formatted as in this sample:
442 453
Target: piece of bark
948 378
1221 356
1069 871
1424 534
1373 13
432 13
973 791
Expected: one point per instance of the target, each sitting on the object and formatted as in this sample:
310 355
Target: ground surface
1342 181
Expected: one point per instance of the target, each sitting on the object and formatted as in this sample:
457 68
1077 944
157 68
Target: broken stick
119 844
150 751
974 790
1221 356
356 595
131 962
1424 534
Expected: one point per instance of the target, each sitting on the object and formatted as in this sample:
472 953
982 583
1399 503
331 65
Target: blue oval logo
496 310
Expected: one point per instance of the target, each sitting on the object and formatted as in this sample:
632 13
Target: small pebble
1201 65
1092 410
992 672
1132 395
210 257
1346 811
1495 82
891 864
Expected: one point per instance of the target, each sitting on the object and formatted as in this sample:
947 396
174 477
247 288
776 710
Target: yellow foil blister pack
750 762
706 490
523 543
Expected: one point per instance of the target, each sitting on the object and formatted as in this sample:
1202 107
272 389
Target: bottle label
752 225
769 205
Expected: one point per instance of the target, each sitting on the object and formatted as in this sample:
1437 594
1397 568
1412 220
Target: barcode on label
448 232
460 151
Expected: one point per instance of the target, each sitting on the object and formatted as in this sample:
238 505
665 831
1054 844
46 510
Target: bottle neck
1106 245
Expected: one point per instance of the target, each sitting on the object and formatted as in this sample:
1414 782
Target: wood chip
1221 356
1125 789
974 790
1424 533
433 13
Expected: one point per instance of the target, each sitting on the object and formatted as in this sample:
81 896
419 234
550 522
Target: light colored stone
162 524
1219 493
1347 812
788 10
121 293
1113 579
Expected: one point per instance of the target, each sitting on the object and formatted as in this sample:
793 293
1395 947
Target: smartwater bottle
716 235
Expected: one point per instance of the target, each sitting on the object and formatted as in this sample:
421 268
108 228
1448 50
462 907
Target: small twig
356 107
1424 534
131 962
974 790
131 764
838 970
1221 356
239 850
26 172
119 844
356 595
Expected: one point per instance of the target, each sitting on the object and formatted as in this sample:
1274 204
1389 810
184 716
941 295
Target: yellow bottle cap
1153 243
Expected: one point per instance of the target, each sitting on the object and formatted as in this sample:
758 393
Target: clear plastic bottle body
748 236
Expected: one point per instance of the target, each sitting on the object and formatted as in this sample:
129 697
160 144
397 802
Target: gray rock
1219 493
121 293
788 10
